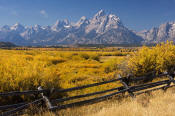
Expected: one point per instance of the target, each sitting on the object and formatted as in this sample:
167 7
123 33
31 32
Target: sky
135 14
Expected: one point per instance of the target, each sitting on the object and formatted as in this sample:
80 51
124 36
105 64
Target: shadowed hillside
6 44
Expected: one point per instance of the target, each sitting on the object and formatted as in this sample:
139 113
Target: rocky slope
102 28
159 34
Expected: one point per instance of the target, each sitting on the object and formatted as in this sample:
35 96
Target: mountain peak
102 28
61 24
83 18
66 21
114 17
82 22
17 27
100 13
103 22
114 20
5 27
37 26
57 22
17 23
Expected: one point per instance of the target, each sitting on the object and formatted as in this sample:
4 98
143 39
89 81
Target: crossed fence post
126 86
46 99
171 78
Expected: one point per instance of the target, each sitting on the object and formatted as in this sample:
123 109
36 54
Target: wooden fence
13 109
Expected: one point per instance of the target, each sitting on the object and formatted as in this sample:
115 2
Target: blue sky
135 14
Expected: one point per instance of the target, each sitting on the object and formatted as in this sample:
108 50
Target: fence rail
132 90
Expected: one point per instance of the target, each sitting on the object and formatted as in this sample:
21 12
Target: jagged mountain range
102 28
159 34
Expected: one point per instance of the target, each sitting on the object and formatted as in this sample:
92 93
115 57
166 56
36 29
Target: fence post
46 99
171 77
126 86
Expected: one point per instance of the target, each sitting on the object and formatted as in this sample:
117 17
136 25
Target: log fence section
46 99
132 91
126 86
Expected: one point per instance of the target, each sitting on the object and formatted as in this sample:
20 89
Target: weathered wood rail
13 109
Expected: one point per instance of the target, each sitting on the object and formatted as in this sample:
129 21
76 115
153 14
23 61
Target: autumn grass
157 103
24 70
27 69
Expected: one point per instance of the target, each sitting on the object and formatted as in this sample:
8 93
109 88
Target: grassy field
53 68
157 103
27 68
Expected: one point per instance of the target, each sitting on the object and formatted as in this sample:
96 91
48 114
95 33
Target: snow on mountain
102 28
101 22
5 28
82 22
17 27
159 34
59 25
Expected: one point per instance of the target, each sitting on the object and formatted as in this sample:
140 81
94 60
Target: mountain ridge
159 34
102 28
6 44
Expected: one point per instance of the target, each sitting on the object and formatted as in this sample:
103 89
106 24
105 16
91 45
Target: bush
156 59
84 56
95 57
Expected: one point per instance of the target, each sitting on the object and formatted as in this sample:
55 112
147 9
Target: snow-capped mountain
60 25
82 23
17 27
159 34
102 28
101 23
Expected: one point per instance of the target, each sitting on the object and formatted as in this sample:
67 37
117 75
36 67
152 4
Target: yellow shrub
156 59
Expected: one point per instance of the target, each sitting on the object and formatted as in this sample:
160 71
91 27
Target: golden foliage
27 69
156 59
